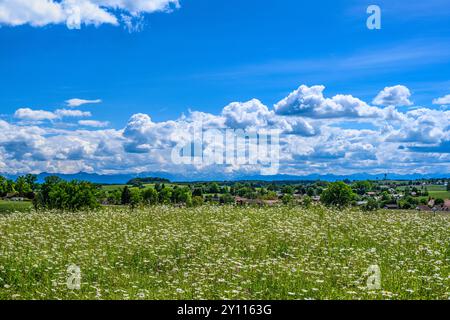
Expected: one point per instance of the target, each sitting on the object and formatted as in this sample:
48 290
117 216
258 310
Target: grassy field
438 192
12 206
225 253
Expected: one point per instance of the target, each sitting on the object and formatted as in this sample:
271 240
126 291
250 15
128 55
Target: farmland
225 252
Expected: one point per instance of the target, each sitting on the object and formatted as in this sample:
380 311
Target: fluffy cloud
75 13
93 123
248 114
28 114
34 115
442 101
74 103
62 113
393 96
340 135
310 102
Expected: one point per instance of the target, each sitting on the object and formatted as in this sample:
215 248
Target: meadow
215 252
15 206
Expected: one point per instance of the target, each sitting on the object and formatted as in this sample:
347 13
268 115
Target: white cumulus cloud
93 123
443 100
393 96
75 13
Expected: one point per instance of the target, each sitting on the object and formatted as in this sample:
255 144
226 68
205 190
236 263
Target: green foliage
337 194
362 187
126 196
439 202
182 195
165 195
3 185
22 187
197 201
149 180
135 198
371 205
227 199
287 199
288 190
408 203
56 194
150 196
307 201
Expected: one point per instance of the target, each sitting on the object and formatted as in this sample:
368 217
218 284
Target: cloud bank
318 134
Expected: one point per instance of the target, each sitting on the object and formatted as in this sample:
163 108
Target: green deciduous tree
56 194
337 194
150 196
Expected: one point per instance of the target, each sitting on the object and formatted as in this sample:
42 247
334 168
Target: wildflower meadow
224 252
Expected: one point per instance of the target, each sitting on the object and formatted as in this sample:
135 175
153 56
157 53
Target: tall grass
225 253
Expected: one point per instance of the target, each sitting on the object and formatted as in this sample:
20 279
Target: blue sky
201 55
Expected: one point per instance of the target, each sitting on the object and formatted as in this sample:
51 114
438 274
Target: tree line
57 194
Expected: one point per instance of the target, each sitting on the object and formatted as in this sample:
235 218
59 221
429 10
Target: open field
225 253
13 206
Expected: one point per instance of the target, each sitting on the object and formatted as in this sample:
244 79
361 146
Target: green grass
13 206
225 253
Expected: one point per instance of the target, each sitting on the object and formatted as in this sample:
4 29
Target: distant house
361 203
391 207
14 197
447 204
316 198
17 199
258 202
371 194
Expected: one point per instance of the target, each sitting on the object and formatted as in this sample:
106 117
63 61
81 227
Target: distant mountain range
124 178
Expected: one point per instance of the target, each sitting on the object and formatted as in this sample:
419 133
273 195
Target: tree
214 188
73 196
126 196
198 192
197 201
22 187
164 196
288 190
287 199
310 192
307 201
10 186
227 199
362 187
337 194
150 196
3 185
371 205
31 180
182 195
135 198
